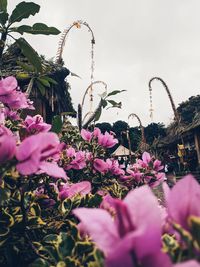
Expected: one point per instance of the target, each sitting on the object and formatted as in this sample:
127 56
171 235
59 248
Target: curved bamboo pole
176 115
141 126
91 113
77 24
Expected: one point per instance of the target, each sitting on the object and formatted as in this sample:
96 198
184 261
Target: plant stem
2 44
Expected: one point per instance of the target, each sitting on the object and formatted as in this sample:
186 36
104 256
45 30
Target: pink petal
52 169
146 157
191 263
99 224
182 200
147 220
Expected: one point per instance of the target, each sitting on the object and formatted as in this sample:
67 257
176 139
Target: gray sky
135 40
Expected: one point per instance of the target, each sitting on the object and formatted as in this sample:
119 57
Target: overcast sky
135 40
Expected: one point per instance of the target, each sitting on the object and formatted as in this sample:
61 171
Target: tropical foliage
64 203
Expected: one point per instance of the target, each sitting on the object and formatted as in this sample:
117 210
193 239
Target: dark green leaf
23 10
56 124
115 104
75 75
49 80
44 82
104 103
30 54
98 115
3 5
25 66
3 17
4 195
115 92
40 263
37 28
41 87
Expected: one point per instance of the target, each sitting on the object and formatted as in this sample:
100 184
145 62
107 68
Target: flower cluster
132 234
67 203
145 171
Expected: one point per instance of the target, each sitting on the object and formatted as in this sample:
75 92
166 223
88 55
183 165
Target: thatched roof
121 151
61 95
175 132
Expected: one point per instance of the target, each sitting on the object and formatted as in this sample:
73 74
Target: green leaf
22 76
37 28
4 195
49 80
115 104
75 75
115 92
56 124
3 17
40 87
3 5
44 82
98 115
30 54
40 263
104 103
23 10
26 67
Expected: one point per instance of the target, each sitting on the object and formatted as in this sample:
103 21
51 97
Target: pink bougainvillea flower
191 263
12 96
34 152
100 165
12 115
79 162
107 140
114 168
70 152
70 190
7 85
7 144
182 201
135 174
157 165
128 240
86 135
96 132
146 159
36 124
108 203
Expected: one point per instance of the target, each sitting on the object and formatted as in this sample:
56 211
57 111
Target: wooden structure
121 151
55 99
190 133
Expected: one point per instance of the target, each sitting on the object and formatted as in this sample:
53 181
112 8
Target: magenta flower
7 86
133 238
191 263
86 135
100 165
146 159
12 96
79 162
96 132
36 124
37 154
114 168
157 165
7 144
70 190
182 201
107 140
70 152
